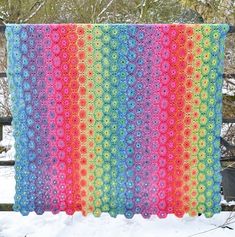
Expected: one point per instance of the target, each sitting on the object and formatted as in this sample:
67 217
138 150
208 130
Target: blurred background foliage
113 11
125 11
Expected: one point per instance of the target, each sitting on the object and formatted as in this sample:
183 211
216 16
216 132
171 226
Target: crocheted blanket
117 118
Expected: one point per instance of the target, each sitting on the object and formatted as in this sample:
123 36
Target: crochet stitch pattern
117 118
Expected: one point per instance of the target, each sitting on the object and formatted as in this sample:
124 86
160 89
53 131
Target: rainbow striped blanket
117 118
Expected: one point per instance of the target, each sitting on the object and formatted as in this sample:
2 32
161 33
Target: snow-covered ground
14 225
60 225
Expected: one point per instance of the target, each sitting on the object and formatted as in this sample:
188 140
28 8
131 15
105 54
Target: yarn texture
117 118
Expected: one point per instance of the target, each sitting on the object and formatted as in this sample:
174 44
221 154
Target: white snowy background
12 224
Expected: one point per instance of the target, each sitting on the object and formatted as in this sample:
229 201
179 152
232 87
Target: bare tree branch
105 9
40 5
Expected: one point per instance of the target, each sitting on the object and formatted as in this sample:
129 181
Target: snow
60 225
7 185
12 224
